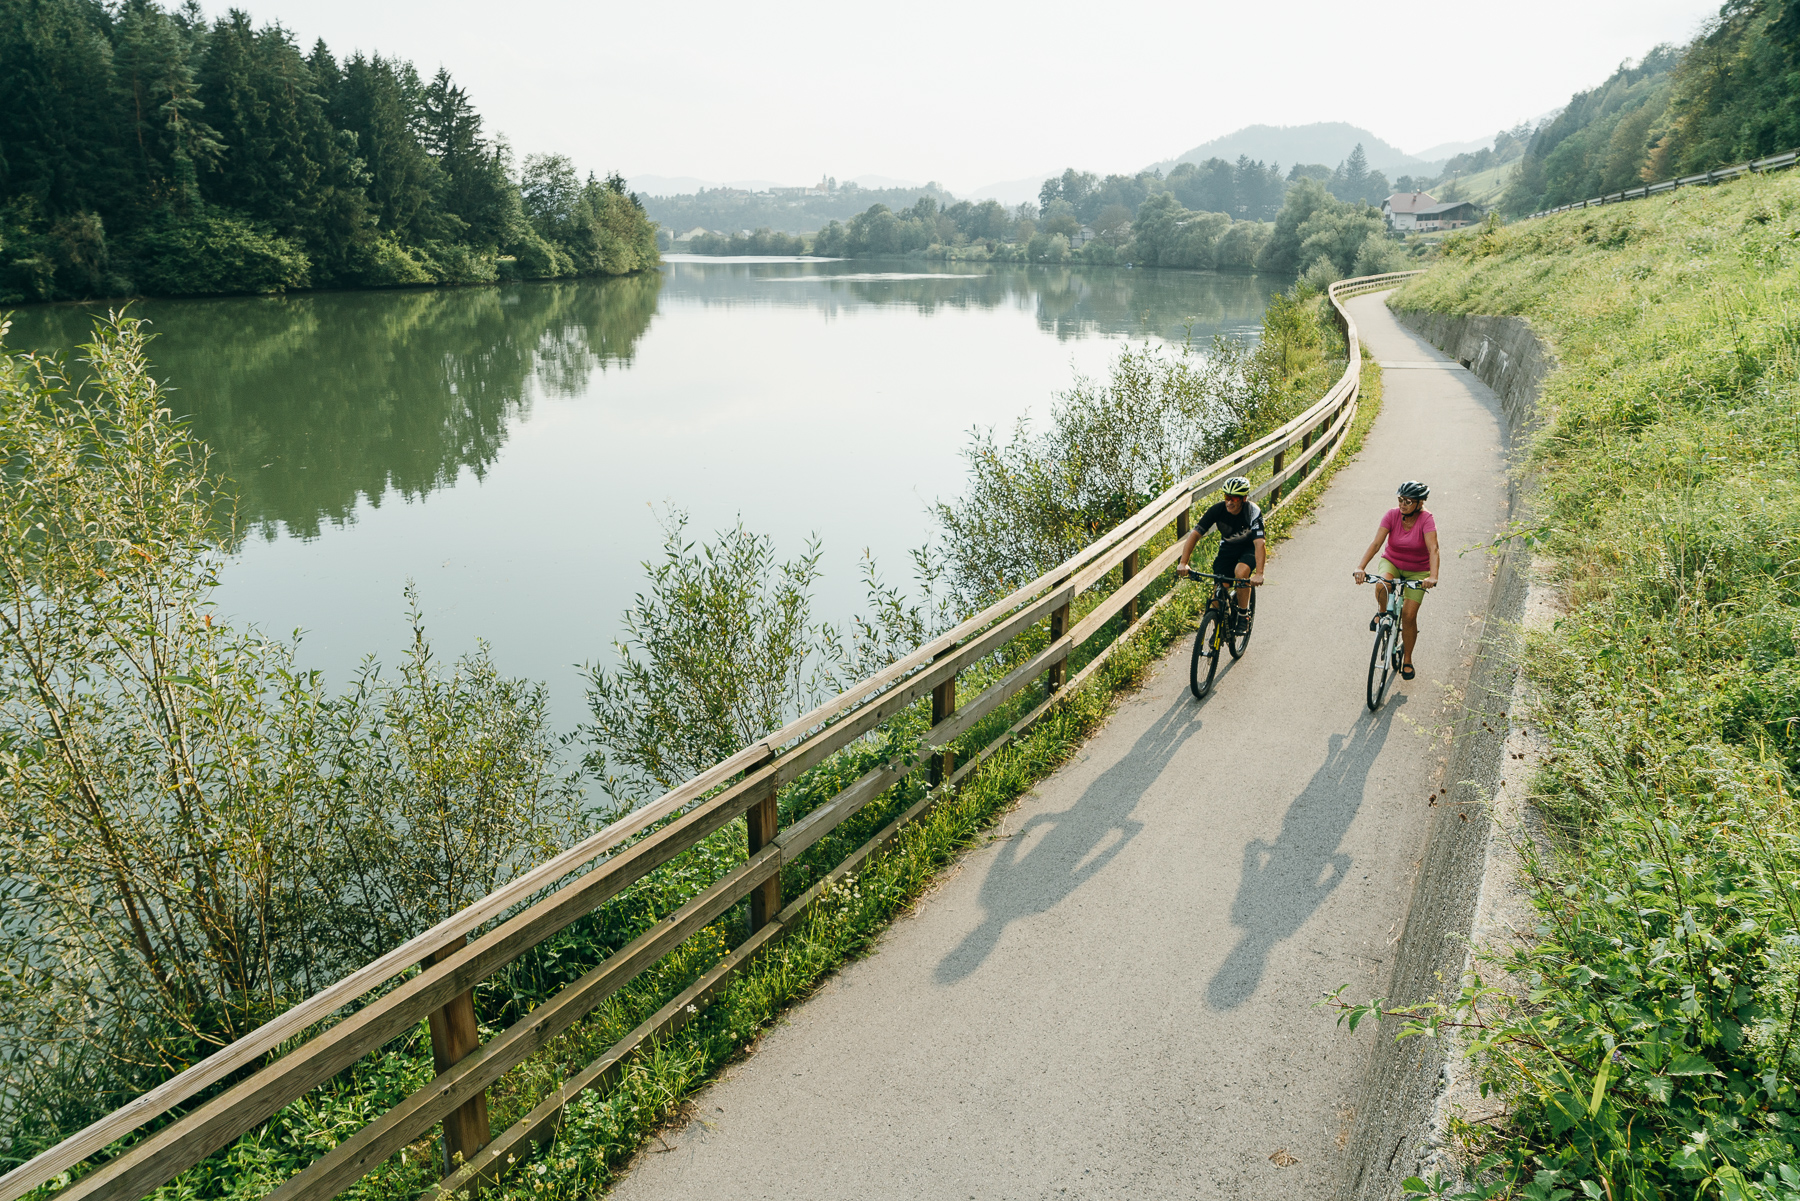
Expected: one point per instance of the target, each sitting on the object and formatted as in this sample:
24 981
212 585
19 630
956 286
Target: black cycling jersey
1237 531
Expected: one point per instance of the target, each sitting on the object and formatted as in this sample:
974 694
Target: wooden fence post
1181 523
454 1035
1306 445
1275 492
1127 569
764 820
1059 625
943 704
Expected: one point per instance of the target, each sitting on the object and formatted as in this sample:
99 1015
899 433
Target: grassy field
1655 1051
1483 187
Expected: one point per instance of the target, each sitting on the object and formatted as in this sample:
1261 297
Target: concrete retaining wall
1503 352
1393 1132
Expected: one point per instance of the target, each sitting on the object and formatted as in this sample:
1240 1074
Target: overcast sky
973 93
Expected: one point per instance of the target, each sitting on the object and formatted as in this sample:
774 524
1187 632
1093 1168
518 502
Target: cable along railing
433 976
1757 166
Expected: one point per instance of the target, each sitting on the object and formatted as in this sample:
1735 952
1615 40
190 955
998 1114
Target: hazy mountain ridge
1326 142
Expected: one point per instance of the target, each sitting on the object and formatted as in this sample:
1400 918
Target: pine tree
382 102
160 99
477 186
1356 175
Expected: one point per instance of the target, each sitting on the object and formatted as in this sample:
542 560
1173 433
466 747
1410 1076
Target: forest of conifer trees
150 151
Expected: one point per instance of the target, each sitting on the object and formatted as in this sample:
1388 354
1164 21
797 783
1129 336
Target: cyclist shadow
1285 881
1053 854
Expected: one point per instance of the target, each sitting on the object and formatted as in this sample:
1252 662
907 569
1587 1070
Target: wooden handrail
576 881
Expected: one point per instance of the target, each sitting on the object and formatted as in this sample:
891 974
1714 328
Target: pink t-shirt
1406 548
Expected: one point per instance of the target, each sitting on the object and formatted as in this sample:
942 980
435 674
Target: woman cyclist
1411 556
1242 549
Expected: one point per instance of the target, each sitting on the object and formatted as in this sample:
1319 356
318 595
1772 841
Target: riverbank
295 1136
1655 1054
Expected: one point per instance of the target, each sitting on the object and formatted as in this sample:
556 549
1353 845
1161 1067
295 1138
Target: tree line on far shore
1144 220
145 150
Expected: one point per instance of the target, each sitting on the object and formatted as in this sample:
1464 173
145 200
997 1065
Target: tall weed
1652 1049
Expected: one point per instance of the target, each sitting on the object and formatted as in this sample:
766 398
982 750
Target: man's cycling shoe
1240 621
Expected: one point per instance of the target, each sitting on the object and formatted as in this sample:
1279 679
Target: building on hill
1421 210
690 235
1452 215
1401 209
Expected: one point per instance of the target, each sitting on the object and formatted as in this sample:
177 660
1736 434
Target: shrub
193 834
1110 448
213 252
719 651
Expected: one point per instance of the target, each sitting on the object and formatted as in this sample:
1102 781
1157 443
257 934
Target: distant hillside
784 210
1444 150
1327 142
1011 192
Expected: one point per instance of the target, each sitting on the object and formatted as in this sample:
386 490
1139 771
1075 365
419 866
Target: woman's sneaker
1374 622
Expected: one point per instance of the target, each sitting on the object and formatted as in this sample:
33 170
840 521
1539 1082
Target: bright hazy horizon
974 95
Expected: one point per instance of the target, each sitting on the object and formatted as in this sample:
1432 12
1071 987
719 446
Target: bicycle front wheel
1241 642
1381 663
1205 664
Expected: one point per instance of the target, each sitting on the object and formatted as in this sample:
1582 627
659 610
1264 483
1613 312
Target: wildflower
693 1009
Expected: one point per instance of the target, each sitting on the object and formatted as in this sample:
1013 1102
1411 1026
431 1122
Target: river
513 450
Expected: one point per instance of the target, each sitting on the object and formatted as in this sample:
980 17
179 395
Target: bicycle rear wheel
1241 642
1205 664
1381 663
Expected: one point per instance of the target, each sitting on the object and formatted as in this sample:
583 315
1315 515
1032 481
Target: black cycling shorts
1229 556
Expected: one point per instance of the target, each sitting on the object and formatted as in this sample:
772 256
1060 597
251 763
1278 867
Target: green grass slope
1654 1050
1483 187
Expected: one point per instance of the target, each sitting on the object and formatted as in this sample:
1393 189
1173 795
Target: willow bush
193 833
1111 447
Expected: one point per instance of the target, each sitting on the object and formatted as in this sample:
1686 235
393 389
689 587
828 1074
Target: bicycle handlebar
1223 579
1370 578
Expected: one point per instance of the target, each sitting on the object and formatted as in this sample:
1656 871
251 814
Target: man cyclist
1242 549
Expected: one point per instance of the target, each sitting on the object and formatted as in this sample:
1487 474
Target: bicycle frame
1384 659
1214 632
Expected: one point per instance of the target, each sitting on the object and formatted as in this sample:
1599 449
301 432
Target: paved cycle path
1113 997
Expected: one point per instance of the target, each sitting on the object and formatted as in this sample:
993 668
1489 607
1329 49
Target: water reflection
1068 303
314 403
506 448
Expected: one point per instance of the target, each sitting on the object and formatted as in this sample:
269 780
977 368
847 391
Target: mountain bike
1217 630
1384 660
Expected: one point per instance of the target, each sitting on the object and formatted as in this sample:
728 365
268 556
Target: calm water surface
512 449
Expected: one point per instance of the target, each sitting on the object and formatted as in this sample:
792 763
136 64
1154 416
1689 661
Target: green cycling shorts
1411 592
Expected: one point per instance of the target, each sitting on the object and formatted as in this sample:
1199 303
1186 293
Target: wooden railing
555 894
1775 162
